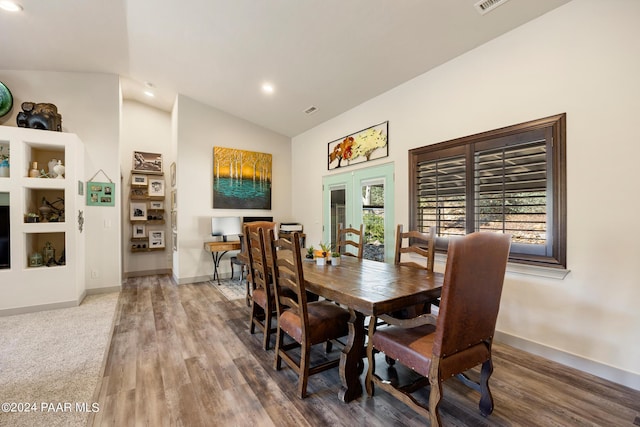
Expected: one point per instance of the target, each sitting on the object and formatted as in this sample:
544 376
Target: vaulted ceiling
330 54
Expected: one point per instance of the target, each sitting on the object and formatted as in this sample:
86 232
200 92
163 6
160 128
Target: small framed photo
174 200
156 205
137 179
174 220
156 187
138 211
174 240
139 231
147 162
173 174
156 239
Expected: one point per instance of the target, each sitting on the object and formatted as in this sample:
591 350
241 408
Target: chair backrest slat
345 237
258 267
286 265
417 243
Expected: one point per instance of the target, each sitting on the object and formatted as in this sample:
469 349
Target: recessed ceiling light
149 93
267 88
10 6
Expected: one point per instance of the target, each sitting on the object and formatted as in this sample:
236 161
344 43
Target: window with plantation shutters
511 180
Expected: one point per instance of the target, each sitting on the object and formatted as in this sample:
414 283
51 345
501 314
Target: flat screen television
5 244
226 226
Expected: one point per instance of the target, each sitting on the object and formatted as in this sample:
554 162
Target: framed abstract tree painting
241 179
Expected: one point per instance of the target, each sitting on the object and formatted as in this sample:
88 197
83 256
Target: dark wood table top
372 287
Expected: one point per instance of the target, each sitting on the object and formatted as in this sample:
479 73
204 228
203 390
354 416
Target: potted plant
32 217
335 258
309 252
322 254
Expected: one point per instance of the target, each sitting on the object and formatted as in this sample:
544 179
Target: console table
218 249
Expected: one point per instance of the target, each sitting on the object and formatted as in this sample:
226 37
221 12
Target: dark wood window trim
550 136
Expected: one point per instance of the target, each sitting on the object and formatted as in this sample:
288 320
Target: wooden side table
218 249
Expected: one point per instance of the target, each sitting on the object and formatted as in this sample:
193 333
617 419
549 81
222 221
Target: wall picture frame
139 180
144 162
156 239
138 211
156 205
241 179
101 193
173 174
139 231
156 187
362 146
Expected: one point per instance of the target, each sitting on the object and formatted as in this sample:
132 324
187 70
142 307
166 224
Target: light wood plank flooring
183 356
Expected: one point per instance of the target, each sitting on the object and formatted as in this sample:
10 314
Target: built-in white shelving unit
26 285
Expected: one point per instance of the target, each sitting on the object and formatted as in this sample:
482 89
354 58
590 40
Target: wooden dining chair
263 304
253 226
459 338
306 323
416 249
345 238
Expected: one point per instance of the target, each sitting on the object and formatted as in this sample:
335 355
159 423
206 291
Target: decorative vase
335 260
4 168
320 260
34 172
52 164
59 170
45 210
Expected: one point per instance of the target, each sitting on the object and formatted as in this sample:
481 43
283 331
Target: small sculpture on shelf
52 164
39 116
49 254
59 170
52 211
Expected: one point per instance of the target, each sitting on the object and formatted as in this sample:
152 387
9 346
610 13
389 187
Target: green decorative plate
6 100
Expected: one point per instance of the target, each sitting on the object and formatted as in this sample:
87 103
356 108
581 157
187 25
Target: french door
364 196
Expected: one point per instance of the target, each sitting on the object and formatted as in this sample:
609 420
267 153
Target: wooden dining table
367 288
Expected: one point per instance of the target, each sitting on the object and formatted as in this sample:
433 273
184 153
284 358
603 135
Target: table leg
217 256
351 363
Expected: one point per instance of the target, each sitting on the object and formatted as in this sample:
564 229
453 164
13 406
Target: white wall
582 59
144 129
89 105
199 129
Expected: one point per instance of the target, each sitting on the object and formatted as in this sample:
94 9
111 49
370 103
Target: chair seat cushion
413 347
260 298
410 346
326 321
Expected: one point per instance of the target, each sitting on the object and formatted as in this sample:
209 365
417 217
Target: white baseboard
42 307
129 274
197 279
619 376
105 290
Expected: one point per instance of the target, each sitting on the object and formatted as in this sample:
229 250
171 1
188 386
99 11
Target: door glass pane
338 211
372 193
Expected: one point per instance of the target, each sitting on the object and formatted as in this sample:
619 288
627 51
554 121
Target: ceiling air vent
485 6
311 110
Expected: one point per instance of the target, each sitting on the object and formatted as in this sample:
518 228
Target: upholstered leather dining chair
306 323
460 337
345 238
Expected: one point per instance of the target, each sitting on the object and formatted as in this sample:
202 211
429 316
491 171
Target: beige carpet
53 359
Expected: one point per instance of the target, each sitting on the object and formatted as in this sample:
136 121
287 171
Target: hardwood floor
183 356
